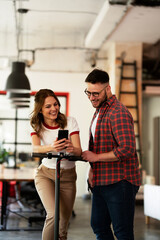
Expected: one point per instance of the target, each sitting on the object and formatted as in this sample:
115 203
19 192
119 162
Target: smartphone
62 134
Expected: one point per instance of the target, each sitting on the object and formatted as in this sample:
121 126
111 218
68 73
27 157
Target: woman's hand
59 145
69 146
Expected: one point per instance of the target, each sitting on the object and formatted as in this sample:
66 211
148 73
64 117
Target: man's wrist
97 157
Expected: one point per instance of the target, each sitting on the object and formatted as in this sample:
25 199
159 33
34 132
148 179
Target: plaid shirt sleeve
123 131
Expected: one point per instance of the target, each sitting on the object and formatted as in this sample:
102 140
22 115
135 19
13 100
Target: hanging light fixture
19 100
17 81
18 96
20 105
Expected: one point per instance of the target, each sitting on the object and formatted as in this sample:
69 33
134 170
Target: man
114 175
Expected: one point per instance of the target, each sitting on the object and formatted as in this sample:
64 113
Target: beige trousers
45 185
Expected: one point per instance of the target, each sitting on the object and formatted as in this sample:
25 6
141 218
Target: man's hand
90 178
90 156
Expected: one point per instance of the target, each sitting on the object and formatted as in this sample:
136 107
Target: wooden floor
79 228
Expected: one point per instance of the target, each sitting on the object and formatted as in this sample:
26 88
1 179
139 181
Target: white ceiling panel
140 24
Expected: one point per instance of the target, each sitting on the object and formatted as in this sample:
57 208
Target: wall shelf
151 88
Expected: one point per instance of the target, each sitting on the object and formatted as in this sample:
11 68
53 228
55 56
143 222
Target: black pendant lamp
18 96
13 105
19 100
17 81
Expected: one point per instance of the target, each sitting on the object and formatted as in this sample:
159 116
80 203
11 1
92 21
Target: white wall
151 109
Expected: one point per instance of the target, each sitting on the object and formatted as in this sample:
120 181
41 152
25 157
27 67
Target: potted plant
3 158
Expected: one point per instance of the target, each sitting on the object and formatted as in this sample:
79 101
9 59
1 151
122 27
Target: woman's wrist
52 149
77 151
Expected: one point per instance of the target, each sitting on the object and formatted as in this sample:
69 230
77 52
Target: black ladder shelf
128 95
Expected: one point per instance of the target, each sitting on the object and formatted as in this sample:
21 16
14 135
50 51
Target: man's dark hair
97 76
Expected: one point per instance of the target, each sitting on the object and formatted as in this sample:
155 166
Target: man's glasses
94 94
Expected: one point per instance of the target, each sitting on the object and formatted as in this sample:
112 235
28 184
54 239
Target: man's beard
105 99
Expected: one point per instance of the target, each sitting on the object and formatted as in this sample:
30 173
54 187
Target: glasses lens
95 94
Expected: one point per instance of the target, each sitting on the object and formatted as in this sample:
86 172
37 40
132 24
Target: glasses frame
94 94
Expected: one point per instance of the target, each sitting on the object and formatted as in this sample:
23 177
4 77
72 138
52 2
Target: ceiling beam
105 23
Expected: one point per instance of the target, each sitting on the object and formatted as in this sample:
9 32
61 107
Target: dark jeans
114 204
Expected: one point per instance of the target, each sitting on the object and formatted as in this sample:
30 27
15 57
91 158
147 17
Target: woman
46 120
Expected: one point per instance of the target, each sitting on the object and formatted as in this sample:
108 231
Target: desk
18 175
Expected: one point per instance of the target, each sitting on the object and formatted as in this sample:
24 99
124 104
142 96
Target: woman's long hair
37 117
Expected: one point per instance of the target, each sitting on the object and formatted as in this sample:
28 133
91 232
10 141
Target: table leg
4 204
147 219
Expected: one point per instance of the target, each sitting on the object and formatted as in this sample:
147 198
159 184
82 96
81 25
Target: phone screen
62 134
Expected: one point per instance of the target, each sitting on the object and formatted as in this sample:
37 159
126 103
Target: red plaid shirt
115 132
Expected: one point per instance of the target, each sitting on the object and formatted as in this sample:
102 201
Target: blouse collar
49 127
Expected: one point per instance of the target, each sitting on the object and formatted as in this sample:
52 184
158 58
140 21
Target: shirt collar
50 127
108 102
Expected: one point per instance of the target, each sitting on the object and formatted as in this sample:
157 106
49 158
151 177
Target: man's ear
108 91
108 88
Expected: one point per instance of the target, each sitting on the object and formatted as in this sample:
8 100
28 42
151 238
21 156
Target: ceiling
64 33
